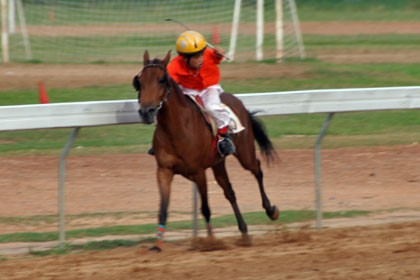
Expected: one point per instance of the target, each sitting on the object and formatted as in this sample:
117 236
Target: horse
185 145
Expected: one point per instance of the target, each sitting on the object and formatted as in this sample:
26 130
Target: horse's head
152 85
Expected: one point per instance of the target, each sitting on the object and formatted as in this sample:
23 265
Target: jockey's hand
219 52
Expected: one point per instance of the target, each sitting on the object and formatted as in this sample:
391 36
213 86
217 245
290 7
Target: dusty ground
376 252
376 178
123 188
373 178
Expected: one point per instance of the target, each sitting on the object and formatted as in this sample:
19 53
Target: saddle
235 124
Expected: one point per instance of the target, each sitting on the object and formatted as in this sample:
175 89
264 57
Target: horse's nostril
142 113
147 114
147 110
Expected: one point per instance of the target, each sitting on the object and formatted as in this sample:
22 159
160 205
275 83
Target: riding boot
225 145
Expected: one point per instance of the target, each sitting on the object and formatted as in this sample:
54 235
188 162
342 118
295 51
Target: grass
39 220
131 11
385 127
252 218
110 47
356 10
90 246
327 75
380 128
388 41
315 75
85 12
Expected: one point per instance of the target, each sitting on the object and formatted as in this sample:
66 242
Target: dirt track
369 178
375 252
374 178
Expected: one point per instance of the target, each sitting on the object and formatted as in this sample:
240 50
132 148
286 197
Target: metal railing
85 114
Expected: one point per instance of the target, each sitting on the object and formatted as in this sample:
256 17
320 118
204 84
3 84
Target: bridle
165 80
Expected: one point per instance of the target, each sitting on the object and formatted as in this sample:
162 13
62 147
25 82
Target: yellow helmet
190 43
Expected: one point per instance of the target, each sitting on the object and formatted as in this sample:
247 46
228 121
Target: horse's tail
260 134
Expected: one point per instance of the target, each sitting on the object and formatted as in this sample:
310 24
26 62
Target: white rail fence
85 114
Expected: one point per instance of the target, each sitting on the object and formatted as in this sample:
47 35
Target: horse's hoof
244 241
274 213
156 249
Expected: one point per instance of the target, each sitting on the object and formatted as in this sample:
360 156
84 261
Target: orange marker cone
215 38
43 97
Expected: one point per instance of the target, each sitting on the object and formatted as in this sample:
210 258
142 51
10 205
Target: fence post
62 174
4 32
260 31
318 196
195 210
234 31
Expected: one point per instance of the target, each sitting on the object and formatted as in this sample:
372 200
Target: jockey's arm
219 52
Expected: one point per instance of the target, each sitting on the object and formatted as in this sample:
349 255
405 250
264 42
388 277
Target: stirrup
225 146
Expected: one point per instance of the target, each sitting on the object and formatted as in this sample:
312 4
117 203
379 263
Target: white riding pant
211 100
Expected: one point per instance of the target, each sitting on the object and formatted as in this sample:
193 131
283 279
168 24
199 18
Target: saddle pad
235 124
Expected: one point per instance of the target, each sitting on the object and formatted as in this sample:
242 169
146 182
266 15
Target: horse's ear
146 58
167 58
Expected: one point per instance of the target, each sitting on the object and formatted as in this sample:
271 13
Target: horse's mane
170 81
179 92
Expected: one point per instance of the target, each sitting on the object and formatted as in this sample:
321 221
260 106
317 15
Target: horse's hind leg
271 210
222 179
252 164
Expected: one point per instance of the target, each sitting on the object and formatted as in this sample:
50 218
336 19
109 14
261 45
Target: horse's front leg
164 177
201 181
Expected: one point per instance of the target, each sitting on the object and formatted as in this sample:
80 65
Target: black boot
225 146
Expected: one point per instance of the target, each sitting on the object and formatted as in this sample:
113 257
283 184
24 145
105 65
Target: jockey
196 71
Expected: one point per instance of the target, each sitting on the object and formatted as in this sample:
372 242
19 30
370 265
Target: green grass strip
90 246
252 218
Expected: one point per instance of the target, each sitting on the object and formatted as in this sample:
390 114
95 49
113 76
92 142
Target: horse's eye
136 83
162 80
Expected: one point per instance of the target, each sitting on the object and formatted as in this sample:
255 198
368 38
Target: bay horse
184 144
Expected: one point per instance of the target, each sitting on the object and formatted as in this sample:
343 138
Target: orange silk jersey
208 75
